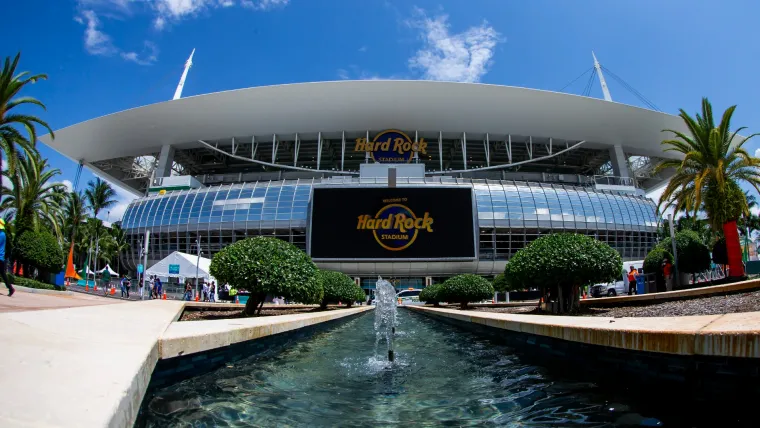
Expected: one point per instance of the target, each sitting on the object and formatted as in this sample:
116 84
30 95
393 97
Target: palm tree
32 198
11 85
74 214
99 195
714 162
122 245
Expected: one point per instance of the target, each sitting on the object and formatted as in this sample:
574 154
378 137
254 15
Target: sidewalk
26 301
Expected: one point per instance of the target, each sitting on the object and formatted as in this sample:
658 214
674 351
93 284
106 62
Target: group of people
208 291
666 269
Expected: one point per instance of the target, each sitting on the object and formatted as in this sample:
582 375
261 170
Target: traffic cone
86 286
197 298
95 287
113 291
164 298
237 300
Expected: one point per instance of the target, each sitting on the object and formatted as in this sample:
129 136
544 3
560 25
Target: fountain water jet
385 314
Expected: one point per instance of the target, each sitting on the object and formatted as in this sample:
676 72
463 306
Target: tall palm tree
33 199
11 84
714 162
74 214
122 245
99 195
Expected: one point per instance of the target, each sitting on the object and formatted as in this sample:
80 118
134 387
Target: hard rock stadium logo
395 226
391 146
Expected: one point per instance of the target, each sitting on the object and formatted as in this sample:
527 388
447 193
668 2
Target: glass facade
510 215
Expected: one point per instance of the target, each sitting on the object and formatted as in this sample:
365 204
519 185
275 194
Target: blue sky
104 56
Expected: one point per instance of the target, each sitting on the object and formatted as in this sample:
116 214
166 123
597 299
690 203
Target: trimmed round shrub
265 266
654 259
339 287
500 283
39 249
465 288
430 294
693 255
559 264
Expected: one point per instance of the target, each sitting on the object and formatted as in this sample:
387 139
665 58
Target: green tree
99 196
339 287
500 283
465 288
693 254
431 293
561 263
74 215
264 266
121 244
39 249
11 85
714 162
32 198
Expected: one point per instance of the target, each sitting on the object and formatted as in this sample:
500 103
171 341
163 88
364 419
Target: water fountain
385 314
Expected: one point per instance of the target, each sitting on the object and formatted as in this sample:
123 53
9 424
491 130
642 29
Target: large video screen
392 223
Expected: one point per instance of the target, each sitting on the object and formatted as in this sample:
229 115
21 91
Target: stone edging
190 337
731 335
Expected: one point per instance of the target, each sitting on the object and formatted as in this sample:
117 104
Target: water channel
342 377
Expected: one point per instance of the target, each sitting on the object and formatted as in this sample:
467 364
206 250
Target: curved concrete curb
190 337
731 335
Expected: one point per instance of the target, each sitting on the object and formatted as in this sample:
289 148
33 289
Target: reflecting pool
441 375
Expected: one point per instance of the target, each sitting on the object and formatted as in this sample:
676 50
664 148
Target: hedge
465 288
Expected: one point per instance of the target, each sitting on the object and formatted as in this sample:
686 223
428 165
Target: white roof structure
181 265
332 108
110 271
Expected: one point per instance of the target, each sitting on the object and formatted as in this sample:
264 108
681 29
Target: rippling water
442 375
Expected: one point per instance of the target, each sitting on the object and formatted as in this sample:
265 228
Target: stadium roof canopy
359 106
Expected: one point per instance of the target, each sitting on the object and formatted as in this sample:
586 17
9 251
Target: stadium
415 180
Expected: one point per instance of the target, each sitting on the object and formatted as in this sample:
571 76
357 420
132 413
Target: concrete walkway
74 368
24 300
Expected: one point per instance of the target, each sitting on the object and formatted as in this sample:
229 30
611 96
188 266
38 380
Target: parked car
409 297
619 287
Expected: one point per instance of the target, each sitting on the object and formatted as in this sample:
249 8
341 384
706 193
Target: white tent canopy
182 266
110 271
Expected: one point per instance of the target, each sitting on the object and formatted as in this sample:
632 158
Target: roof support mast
605 89
188 64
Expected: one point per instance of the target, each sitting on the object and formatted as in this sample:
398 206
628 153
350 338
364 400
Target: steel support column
319 149
342 149
464 149
487 145
254 146
297 146
440 148
509 148
275 144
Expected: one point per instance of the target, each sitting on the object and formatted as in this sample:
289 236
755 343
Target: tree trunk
252 304
734 250
561 300
262 298
463 305
323 305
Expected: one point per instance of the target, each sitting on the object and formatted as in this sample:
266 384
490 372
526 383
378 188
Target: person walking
632 274
188 292
205 291
125 286
212 292
8 284
667 273
157 287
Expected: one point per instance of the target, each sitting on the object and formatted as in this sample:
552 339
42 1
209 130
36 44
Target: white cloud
757 153
343 74
460 57
363 49
147 57
3 166
96 42
69 185
163 13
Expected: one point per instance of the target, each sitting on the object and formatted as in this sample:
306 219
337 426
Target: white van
619 287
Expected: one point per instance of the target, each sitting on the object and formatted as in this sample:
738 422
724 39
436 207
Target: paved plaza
37 300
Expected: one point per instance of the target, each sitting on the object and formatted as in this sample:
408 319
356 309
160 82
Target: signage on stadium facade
392 223
391 146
